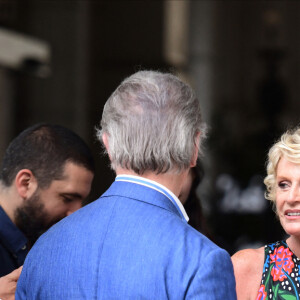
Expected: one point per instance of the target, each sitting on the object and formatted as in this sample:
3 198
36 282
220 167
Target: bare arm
248 268
8 284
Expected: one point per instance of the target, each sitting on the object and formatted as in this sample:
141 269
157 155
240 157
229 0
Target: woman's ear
26 183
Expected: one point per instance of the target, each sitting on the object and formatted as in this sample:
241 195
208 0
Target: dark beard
31 219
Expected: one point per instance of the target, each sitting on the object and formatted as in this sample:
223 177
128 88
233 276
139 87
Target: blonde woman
272 271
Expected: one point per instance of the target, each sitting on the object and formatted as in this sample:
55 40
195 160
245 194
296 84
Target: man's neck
172 181
7 202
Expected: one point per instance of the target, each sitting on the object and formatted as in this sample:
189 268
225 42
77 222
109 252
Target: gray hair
152 121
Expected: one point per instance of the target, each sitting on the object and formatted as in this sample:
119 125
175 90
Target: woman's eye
282 185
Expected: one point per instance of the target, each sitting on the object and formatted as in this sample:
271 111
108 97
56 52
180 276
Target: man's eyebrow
73 195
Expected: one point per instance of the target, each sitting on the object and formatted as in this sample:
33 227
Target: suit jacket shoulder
131 243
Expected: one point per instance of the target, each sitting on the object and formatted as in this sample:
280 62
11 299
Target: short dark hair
44 149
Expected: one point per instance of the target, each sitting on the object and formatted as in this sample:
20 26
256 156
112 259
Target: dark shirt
13 245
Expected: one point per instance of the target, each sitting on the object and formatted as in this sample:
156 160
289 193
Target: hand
8 284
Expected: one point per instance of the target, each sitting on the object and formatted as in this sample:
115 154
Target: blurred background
61 59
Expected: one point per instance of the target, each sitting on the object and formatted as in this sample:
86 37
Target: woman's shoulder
248 257
248 268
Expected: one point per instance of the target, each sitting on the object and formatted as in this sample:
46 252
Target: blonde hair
289 147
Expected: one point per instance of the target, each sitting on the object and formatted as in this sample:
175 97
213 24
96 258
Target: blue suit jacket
131 243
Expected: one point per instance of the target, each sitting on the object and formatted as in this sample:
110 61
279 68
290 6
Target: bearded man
46 173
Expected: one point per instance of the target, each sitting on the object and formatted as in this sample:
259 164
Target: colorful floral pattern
280 279
282 258
261 293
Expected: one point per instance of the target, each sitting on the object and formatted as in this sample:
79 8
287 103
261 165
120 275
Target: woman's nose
294 193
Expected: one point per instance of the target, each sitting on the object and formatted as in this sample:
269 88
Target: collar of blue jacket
158 187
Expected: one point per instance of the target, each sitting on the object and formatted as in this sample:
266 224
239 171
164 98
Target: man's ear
105 142
26 183
196 151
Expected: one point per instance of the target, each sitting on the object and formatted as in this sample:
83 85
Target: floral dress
280 279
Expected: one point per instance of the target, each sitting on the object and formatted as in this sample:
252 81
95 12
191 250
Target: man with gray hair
134 241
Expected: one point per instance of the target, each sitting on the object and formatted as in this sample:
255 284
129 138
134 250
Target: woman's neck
294 244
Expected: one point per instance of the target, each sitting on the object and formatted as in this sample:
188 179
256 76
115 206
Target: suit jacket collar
144 194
